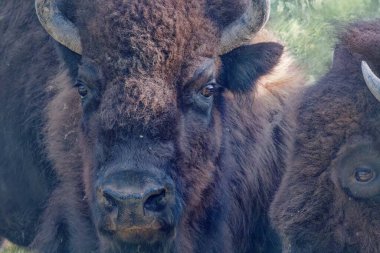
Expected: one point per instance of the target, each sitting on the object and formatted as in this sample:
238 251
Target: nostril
157 201
110 202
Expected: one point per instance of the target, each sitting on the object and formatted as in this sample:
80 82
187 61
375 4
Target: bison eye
208 90
364 175
82 90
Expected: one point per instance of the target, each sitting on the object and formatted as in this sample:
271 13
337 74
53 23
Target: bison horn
372 81
57 25
242 29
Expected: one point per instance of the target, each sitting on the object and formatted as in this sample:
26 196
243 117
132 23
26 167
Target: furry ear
244 65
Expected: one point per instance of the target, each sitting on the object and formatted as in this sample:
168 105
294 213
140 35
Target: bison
144 126
328 200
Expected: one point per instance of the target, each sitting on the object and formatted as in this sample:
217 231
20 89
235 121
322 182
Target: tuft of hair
362 38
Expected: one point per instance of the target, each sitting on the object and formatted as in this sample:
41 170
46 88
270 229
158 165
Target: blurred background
307 28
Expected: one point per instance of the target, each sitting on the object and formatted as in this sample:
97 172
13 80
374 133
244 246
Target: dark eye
208 90
82 90
364 175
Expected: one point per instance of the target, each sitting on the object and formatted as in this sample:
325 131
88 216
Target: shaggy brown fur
159 44
338 132
143 65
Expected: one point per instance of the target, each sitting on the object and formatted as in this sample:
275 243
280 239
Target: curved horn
372 81
57 25
242 29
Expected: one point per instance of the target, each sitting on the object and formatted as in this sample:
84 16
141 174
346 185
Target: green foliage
13 249
307 27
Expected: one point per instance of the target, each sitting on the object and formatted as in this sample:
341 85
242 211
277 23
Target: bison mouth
142 234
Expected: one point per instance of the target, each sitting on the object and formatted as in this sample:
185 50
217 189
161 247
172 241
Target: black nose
138 202
136 205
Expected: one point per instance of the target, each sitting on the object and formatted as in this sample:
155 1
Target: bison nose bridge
131 198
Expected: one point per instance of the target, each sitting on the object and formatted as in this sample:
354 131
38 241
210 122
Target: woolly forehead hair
341 99
146 36
144 48
363 38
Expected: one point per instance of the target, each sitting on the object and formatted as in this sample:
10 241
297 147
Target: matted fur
312 211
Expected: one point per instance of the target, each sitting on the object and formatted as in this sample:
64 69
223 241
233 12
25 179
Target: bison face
148 172
154 79
335 208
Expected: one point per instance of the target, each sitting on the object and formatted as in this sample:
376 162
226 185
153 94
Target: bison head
153 78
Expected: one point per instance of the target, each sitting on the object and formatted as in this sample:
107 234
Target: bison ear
242 66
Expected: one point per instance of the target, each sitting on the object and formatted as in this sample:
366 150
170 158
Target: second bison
329 199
